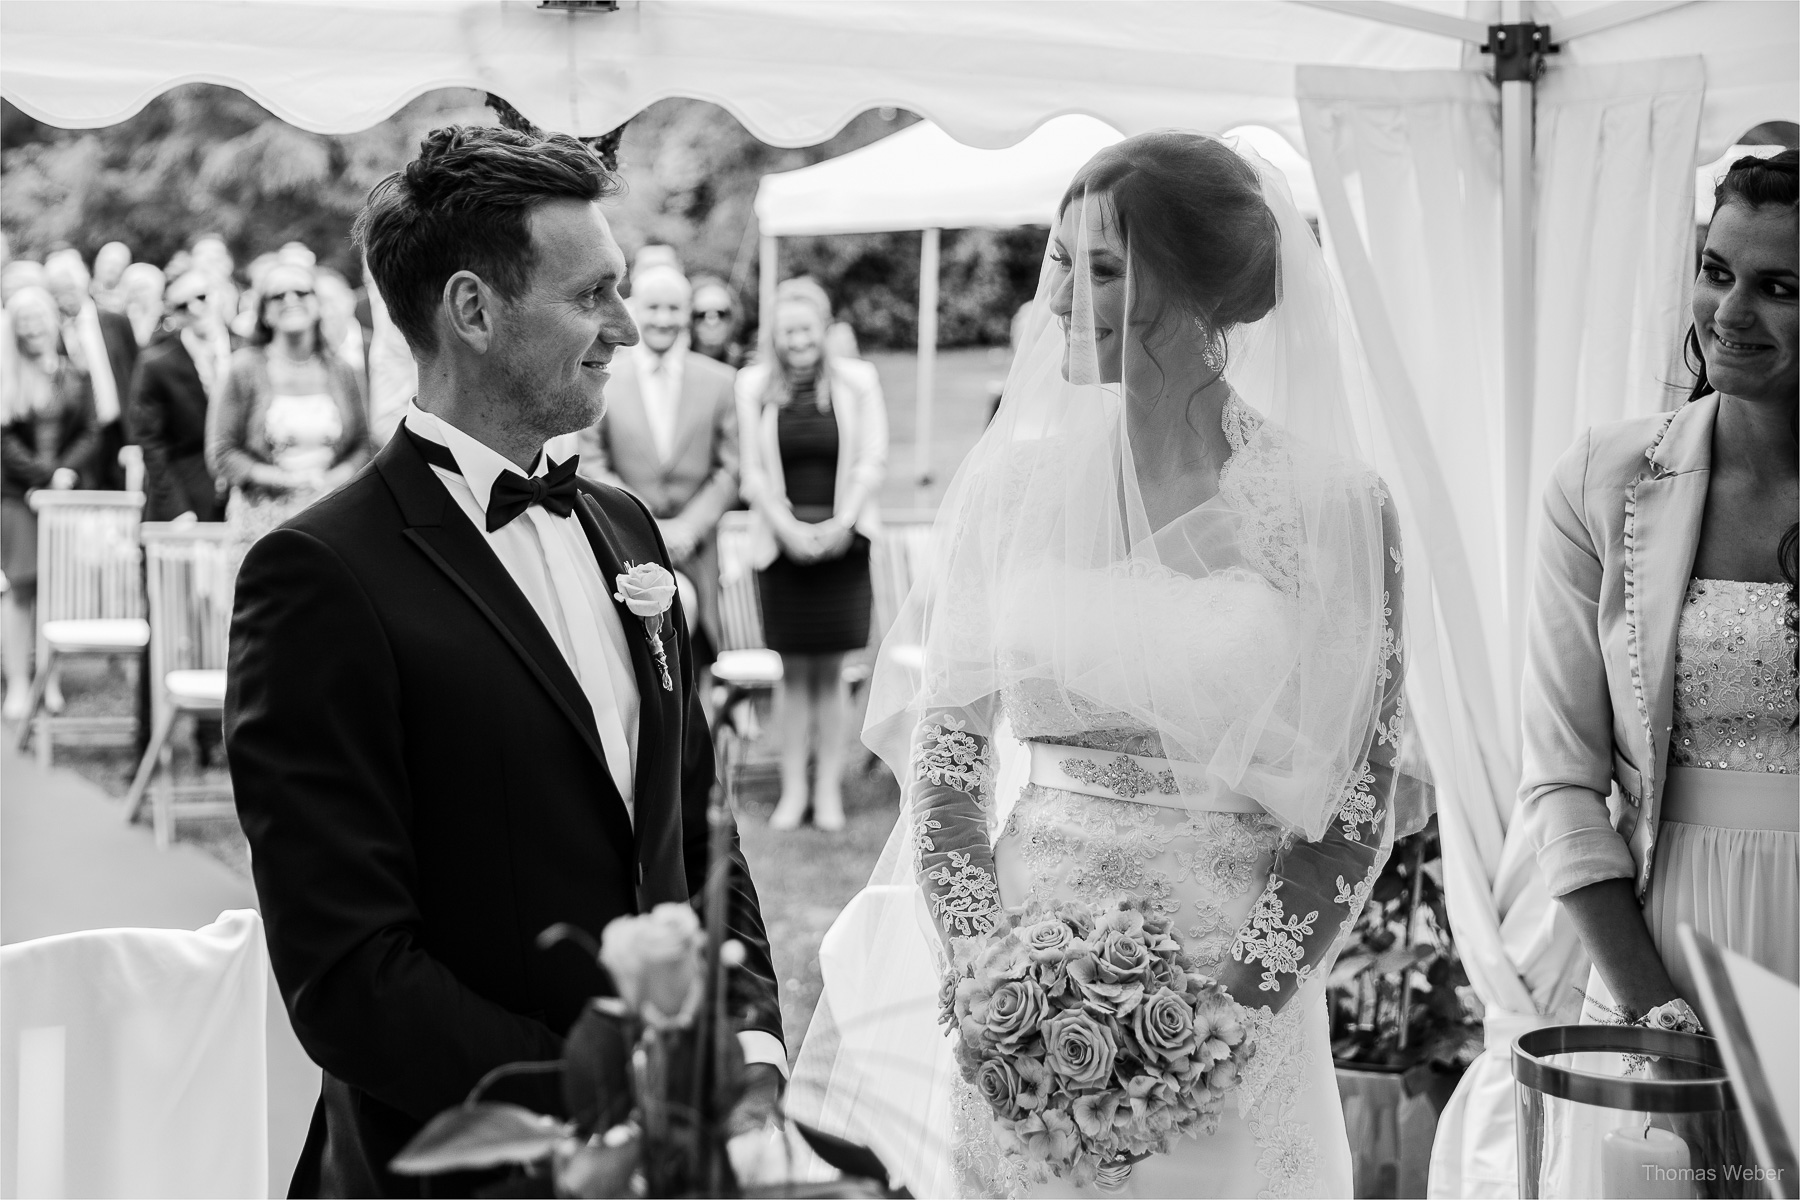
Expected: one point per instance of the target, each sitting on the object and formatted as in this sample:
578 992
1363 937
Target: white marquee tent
1517 255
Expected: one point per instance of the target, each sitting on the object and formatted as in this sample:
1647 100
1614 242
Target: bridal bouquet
1090 1042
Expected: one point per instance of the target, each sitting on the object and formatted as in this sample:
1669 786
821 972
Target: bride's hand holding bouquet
1088 1040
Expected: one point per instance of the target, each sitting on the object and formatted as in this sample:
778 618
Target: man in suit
102 344
166 410
446 732
669 434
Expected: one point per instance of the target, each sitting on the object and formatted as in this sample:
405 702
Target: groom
446 733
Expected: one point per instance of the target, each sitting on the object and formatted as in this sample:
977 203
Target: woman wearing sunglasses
289 424
716 321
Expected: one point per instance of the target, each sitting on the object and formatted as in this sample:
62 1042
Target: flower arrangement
1089 1041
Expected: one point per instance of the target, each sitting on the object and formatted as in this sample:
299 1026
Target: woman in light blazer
812 433
1661 779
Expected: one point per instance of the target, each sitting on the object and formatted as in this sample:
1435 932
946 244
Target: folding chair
745 668
189 570
90 600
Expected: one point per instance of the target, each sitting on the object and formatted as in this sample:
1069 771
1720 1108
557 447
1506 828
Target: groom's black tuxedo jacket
424 791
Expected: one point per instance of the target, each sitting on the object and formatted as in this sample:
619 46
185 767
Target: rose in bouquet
1090 1042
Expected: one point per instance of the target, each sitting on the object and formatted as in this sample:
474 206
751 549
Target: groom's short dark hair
464 204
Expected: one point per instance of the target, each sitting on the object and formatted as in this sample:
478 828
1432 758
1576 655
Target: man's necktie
512 492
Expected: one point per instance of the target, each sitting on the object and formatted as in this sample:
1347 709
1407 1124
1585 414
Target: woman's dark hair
464 204
1759 183
1193 213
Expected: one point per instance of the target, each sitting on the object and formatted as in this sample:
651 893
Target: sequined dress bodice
1734 703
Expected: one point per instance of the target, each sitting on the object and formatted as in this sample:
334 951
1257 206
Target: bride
1153 652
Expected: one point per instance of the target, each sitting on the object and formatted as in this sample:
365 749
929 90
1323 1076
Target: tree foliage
207 159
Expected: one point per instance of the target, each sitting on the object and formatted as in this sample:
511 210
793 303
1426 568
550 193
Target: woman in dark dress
47 441
813 438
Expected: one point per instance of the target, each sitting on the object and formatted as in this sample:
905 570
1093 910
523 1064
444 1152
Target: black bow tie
513 493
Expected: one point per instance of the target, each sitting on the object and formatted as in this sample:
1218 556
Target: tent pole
768 273
1518 321
928 333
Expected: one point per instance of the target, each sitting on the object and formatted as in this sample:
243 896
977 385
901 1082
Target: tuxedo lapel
656 804
440 530
611 553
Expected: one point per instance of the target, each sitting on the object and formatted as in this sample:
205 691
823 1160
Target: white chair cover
132 1062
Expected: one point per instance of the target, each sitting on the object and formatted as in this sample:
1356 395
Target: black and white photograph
900 598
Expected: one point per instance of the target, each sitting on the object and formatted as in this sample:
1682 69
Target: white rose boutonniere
648 590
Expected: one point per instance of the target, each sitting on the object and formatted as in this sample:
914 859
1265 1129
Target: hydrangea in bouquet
1091 1043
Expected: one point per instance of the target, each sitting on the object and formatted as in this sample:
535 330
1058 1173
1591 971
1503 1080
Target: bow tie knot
513 493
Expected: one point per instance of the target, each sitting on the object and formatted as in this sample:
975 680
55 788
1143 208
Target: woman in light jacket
813 446
290 423
1661 725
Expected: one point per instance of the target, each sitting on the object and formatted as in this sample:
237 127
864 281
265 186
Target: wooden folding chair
90 601
745 669
189 570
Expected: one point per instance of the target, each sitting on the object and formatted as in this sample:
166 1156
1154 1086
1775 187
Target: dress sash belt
1165 782
1731 799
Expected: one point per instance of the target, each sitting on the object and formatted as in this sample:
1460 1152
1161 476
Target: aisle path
67 863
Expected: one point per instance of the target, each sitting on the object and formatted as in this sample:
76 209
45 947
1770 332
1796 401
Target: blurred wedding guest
1661 654
170 393
289 423
18 274
46 442
259 267
110 262
141 290
210 254
393 375
103 345
297 254
669 435
337 317
717 321
813 447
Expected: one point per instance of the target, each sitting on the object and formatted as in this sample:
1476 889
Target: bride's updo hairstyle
1193 214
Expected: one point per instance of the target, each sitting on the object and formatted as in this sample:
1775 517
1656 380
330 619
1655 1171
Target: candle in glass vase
1645 1163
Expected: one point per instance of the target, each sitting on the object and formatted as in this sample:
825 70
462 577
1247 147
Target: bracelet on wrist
1673 1016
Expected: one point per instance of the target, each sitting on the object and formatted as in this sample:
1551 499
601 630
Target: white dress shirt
659 383
551 560
86 346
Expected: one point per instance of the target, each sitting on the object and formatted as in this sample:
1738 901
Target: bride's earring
1213 352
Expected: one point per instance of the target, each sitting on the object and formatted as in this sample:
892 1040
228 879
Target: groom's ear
468 309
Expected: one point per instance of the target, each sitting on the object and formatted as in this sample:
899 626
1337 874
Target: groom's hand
761 1102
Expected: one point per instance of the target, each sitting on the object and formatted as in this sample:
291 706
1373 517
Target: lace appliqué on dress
970 898
1288 1153
1275 939
950 756
981 1167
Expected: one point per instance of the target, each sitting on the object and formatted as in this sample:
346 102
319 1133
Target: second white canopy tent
922 178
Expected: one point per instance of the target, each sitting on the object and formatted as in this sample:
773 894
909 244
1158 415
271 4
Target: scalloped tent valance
987 71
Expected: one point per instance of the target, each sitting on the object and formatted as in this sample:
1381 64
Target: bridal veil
1158 355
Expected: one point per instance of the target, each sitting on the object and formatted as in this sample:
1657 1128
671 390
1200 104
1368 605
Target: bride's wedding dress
1201 713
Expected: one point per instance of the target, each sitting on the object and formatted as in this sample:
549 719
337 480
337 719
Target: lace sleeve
952 784
1316 890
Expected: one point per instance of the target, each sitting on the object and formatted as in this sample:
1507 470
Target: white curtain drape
1408 168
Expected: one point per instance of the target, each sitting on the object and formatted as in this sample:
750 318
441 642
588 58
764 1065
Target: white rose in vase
655 961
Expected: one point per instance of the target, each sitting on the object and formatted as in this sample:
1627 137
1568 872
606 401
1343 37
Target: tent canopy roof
988 72
922 178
